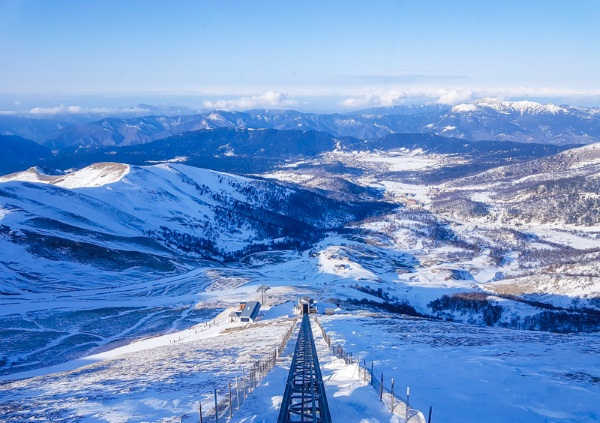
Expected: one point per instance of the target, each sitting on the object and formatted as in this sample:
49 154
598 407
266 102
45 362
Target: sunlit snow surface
478 374
96 175
165 380
466 373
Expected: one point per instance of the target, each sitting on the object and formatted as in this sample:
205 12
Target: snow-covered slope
522 121
100 238
96 175
125 218
507 107
556 189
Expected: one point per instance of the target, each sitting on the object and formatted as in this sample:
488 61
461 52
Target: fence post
407 402
429 419
372 374
365 373
237 392
392 406
243 383
200 410
216 408
230 404
381 389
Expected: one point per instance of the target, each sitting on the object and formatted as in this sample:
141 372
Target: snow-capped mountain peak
96 175
464 108
501 106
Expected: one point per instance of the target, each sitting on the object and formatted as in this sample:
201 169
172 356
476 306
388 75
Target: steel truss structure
304 399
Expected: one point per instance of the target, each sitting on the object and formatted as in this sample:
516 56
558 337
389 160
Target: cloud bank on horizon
326 102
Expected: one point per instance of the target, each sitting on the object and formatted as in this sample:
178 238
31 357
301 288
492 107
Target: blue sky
297 54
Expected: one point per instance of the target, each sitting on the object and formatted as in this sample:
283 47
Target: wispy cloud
78 110
270 99
58 110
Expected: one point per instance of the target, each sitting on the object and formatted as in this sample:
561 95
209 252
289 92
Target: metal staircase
304 399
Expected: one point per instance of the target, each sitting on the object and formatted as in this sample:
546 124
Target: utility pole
262 289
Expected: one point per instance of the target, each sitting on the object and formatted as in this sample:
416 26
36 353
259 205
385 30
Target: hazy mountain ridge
249 151
19 154
521 121
487 119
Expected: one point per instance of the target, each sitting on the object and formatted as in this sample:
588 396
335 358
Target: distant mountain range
487 119
19 154
253 151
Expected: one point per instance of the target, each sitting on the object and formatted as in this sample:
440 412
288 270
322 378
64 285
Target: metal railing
386 390
226 401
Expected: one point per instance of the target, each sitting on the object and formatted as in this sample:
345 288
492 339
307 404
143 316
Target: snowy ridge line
226 404
396 403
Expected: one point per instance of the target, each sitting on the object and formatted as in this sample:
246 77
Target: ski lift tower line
263 289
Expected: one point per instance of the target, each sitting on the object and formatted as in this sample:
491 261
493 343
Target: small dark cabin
250 311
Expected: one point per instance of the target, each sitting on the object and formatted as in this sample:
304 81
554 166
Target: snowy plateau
467 271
